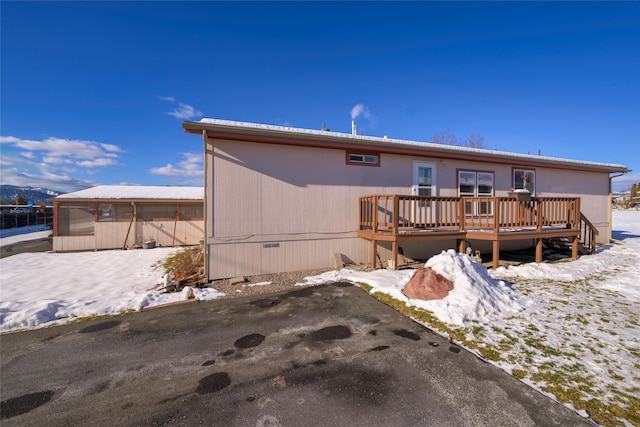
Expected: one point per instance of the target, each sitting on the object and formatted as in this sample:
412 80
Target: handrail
588 233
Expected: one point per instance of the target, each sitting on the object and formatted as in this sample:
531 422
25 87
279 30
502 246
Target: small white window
367 159
524 179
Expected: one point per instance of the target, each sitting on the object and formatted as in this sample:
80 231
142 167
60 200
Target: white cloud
111 147
191 165
51 161
59 182
63 149
185 111
97 163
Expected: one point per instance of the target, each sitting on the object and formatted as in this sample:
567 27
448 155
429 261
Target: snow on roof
443 148
136 192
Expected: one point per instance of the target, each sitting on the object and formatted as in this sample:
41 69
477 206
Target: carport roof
135 192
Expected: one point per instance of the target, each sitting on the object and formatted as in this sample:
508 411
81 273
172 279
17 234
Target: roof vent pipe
353 127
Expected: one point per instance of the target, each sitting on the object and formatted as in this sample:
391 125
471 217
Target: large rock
427 285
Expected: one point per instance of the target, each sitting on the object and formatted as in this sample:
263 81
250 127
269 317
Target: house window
524 179
76 220
115 212
476 184
363 158
191 212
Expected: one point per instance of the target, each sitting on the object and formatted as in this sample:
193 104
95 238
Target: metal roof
135 192
254 132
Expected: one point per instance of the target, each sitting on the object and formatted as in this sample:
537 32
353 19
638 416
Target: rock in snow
427 285
475 294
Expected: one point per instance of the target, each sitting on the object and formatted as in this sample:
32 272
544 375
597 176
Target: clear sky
96 92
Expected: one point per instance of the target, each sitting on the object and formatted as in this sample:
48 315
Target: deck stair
563 245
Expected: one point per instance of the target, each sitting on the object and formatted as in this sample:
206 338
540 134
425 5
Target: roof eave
288 136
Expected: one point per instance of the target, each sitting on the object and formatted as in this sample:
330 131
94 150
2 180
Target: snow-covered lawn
41 289
569 329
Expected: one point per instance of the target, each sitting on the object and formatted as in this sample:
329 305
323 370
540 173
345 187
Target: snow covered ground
569 329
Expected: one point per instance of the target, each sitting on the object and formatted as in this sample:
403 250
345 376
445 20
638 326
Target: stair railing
588 233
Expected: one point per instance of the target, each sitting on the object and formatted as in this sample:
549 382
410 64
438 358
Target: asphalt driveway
319 356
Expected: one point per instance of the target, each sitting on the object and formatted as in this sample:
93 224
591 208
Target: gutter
251 132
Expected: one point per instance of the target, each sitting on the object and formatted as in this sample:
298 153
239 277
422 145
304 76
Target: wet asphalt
320 356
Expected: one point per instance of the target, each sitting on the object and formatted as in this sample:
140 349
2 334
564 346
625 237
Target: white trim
434 182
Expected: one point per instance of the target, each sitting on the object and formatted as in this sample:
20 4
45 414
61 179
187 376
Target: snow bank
38 289
475 295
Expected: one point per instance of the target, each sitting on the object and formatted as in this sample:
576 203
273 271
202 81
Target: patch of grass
519 373
365 286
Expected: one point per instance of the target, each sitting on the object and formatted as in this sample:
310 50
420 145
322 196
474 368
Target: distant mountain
38 195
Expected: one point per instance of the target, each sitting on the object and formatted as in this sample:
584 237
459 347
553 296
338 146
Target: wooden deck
396 218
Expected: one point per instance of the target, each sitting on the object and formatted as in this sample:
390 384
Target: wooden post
460 244
496 216
374 217
373 253
538 212
538 250
574 248
396 210
496 254
56 217
394 254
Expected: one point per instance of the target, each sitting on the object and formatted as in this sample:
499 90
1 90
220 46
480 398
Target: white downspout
610 236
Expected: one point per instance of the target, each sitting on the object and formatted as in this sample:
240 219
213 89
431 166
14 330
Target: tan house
283 199
123 216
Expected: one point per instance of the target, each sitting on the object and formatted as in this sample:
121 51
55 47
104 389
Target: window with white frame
476 184
524 179
363 158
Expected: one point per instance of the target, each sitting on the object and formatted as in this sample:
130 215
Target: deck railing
393 212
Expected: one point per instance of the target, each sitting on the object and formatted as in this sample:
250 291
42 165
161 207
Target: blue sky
96 92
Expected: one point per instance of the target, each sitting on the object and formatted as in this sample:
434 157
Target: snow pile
475 294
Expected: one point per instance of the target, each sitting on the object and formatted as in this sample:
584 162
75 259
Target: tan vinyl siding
247 259
74 243
111 235
277 189
306 200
